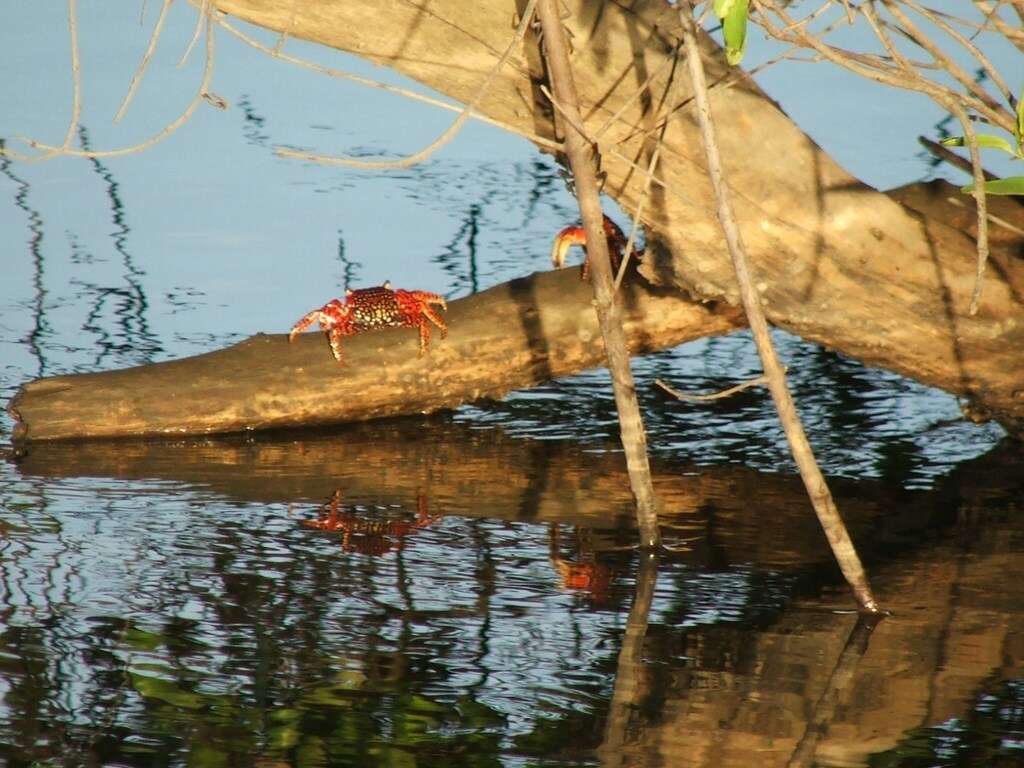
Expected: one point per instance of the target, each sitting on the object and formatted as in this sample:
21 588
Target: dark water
458 590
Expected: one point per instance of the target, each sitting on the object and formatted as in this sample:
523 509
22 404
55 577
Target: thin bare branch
204 14
905 74
610 149
817 489
872 67
76 104
76 77
285 34
1014 35
986 64
444 138
609 312
750 383
950 66
141 69
644 194
342 75
626 103
49 152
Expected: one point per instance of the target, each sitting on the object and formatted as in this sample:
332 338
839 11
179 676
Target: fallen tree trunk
514 335
835 261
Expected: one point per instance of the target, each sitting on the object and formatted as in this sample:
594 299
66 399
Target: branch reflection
375 630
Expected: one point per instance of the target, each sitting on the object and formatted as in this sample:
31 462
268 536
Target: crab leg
316 316
334 338
326 315
416 309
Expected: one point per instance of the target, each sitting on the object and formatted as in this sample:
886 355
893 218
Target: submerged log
836 261
514 335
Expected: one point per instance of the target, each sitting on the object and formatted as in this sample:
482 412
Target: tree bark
609 312
511 336
835 261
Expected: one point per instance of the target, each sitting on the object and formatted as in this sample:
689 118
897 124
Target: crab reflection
365 533
583 572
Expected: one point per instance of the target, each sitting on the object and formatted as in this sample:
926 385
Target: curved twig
51 151
440 141
141 69
686 397
342 75
204 13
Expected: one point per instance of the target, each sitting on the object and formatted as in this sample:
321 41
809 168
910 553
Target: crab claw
565 240
571 236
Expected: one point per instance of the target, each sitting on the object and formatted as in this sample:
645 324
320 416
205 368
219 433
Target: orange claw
571 236
565 240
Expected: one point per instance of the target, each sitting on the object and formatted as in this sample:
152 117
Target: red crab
369 308
571 236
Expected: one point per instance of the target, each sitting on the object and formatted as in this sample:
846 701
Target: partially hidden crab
366 309
571 236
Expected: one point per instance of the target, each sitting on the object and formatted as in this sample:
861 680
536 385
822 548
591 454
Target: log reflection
727 514
732 648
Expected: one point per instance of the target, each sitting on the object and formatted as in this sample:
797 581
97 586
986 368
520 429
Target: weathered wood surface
514 335
837 262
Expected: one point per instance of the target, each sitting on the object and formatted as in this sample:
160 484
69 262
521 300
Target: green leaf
168 692
722 7
1020 119
206 756
1011 185
984 140
142 640
734 30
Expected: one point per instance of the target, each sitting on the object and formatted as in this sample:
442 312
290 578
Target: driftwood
835 261
514 335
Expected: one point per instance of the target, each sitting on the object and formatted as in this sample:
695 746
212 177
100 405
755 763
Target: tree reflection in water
193 620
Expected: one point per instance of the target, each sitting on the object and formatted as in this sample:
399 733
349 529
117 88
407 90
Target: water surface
459 590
